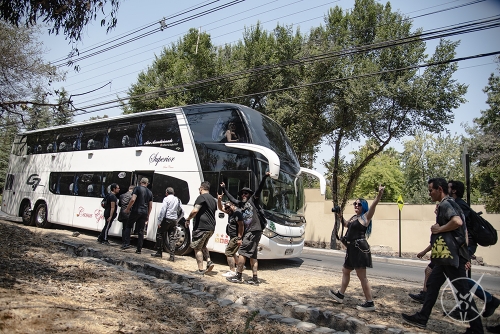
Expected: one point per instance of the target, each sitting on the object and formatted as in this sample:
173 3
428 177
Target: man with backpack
171 211
450 257
456 190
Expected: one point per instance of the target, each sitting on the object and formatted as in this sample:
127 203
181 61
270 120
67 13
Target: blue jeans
486 296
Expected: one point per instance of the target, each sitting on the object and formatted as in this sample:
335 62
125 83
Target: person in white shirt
170 213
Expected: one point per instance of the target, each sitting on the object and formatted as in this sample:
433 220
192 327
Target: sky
109 74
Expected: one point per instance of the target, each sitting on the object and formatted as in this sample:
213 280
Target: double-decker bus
60 174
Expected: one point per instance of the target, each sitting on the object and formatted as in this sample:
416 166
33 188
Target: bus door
61 207
123 179
9 204
234 181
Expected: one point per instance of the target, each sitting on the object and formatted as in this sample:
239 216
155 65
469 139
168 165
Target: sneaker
234 279
414 320
230 273
199 272
491 306
171 258
337 296
253 282
125 246
210 266
366 306
420 297
105 242
99 240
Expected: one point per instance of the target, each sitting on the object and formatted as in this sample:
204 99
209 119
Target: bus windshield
267 133
284 197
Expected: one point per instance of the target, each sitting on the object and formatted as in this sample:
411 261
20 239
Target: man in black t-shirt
234 230
203 226
109 213
448 219
139 207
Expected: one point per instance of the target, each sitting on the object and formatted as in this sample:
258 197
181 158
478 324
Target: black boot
172 258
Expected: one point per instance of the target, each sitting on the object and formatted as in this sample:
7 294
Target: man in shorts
234 230
254 225
204 226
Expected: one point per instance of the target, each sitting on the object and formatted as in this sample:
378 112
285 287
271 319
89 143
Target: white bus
60 174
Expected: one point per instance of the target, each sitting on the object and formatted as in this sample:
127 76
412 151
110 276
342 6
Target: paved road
392 268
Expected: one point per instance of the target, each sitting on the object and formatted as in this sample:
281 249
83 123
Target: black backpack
104 202
481 230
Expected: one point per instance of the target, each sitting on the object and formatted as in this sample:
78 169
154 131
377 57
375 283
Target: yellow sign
400 203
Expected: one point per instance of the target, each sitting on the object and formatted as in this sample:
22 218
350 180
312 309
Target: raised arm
371 211
261 185
229 196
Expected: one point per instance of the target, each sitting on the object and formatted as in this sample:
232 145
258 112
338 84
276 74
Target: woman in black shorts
358 256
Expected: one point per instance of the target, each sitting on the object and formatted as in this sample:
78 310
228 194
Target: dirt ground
44 290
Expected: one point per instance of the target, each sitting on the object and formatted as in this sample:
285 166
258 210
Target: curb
305 318
401 261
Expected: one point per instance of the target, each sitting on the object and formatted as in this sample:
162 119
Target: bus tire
25 213
41 216
183 245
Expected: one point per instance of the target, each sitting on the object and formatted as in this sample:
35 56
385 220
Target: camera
336 209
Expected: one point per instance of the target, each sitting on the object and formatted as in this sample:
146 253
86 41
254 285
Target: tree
70 16
426 156
164 83
485 148
387 105
25 77
384 169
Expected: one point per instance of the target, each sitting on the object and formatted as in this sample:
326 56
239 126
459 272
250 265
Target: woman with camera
358 256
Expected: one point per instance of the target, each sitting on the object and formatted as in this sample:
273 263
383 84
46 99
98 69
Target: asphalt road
407 270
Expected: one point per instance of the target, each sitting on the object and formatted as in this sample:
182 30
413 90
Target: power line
446 9
151 32
455 30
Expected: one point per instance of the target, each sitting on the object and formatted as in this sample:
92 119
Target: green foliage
485 147
355 96
69 16
387 106
427 156
384 169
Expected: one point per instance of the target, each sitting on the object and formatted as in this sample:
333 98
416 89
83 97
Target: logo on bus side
156 159
98 214
33 181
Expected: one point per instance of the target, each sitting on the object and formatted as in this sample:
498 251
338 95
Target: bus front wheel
183 245
41 216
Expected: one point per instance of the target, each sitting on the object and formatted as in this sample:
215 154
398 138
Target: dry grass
43 290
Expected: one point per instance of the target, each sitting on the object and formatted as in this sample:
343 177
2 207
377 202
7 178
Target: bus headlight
268 233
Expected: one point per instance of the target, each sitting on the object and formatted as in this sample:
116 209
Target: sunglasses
356 204
245 193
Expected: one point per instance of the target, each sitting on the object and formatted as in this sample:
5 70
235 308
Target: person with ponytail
358 256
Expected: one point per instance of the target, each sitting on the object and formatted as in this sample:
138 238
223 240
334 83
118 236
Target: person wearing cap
167 223
139 208
234 230
250 206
